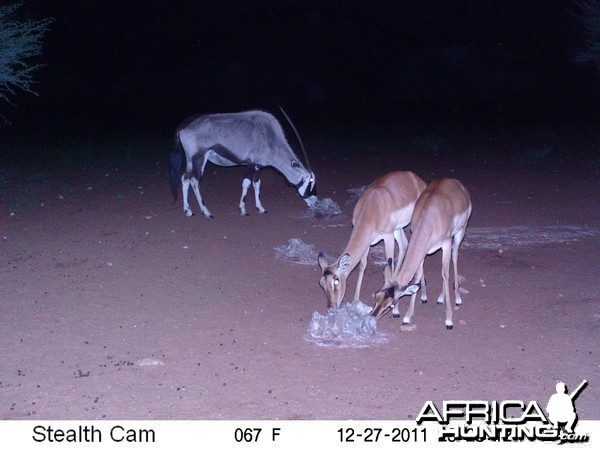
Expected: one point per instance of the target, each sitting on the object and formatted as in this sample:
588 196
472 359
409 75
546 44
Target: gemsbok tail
176 166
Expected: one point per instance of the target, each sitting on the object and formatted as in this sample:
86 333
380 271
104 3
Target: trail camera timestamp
399 434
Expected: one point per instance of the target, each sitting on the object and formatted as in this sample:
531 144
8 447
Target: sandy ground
115 305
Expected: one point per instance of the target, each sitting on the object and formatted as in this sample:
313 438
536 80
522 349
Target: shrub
589 18
20 41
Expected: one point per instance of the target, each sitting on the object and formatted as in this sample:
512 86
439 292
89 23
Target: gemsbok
439 221
252 138
382 212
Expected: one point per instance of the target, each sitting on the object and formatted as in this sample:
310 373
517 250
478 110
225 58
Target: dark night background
140 67
101 272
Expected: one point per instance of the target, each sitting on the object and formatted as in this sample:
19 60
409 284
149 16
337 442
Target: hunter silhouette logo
508 420
561 407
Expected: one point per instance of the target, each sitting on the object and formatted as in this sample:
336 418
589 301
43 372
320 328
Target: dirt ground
115 305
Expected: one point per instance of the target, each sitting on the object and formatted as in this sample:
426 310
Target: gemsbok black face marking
251 138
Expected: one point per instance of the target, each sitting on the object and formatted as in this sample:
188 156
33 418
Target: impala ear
344 262
387 271
410 289
322 261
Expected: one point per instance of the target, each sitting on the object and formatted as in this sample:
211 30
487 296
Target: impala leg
446 249
423 287
400 238
388 246
445 294
458 237
388 243
362 265
411 307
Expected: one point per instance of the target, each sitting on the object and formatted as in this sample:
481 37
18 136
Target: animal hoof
449 327
396 315
423 300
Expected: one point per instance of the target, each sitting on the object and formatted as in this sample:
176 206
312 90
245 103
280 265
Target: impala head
387 297
333 279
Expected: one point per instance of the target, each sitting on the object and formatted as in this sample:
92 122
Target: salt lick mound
348 326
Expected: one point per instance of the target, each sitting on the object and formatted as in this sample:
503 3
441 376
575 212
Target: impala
382 211
439 221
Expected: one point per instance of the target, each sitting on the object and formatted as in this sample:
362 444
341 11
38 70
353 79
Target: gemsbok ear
344 262
322 261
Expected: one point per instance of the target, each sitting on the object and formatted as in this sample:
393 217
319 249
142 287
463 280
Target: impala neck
415 254
359 243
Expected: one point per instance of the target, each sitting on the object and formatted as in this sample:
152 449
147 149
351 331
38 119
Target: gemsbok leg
199 162
251 178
